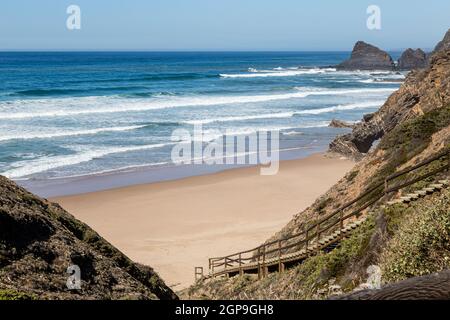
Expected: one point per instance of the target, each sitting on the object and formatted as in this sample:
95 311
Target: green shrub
319 269
15 295
421 245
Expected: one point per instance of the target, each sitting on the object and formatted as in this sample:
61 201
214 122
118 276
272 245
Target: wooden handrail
316 229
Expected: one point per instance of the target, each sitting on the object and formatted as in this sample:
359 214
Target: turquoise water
70 114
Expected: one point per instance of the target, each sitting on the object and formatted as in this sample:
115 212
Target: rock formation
412 59
335 123
367 57
444 44
422 90
39 241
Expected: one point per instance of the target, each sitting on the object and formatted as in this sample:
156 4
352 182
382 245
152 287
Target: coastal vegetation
403 241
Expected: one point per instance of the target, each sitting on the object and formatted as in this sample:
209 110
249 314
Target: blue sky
220 24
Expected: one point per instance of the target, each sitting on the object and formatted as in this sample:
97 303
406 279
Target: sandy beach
176 225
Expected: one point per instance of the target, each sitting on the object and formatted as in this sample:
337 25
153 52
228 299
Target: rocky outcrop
412 59
444 44
367 57
39 241
422 91
335 123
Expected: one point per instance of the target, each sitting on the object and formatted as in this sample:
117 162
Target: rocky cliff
367 57
39 241
336 123
444 44
422 91
412 59
403 241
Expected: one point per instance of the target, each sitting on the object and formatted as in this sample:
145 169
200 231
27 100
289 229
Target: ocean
87 113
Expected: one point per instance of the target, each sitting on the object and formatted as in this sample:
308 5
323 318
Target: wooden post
264 261
318 236
259 264
198 273
448 161
240 265
279 256
341 224
307 240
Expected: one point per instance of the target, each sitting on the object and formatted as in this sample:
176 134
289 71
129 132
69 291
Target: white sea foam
213 134
381 81
362 105
133 168
99 105
320 92
277 72
367 81
242 118
29 167
352 106
293 133
26 136
25 168
297 71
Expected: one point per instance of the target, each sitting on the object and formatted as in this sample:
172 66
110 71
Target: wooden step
393 202
429 190
444 182
405 199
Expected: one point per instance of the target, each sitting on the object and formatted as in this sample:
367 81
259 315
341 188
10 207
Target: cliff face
422 91
39 241
367 57
444 44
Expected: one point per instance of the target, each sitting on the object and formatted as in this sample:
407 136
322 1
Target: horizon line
190 50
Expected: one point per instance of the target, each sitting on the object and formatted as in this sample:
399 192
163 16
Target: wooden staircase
327 233
410 197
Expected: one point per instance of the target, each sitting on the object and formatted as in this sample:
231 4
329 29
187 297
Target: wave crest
100 105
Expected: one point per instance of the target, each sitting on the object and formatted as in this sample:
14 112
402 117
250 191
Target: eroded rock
367 57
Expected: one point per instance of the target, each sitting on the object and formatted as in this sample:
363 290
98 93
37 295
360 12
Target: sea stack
367 57
412 59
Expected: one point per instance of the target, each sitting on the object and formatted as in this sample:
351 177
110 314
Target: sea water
81 113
